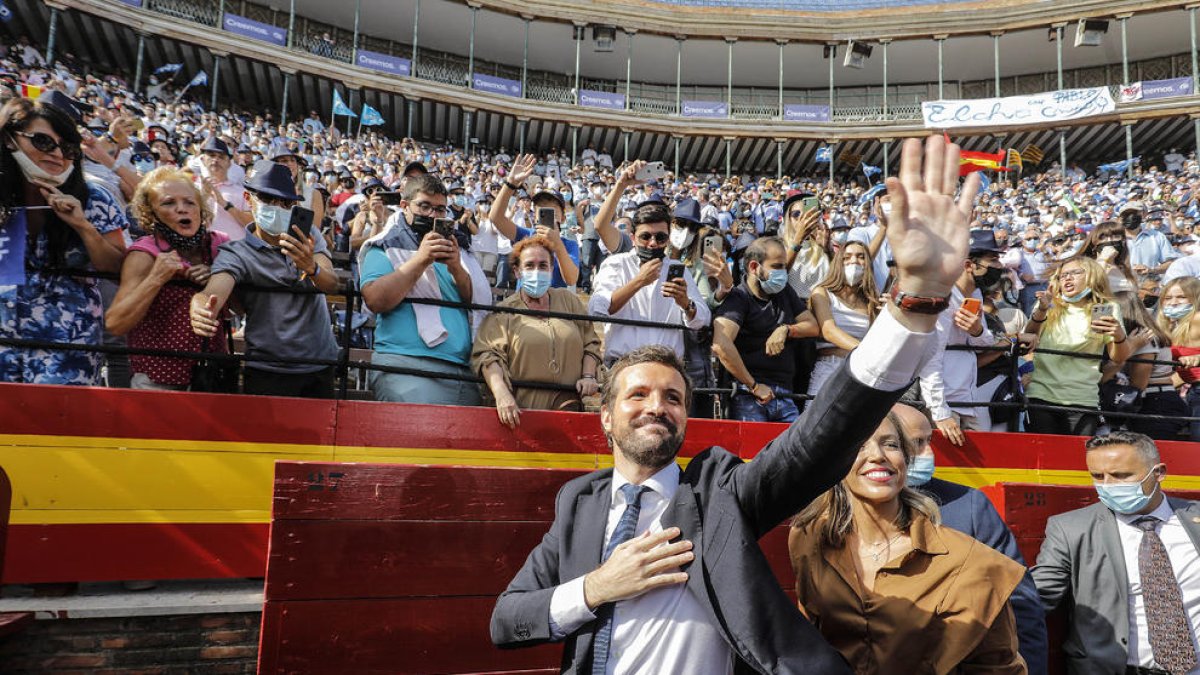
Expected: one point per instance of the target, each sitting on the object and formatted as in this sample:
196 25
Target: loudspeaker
1090 32
604 36
857 54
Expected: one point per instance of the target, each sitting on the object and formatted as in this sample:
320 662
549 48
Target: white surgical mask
35 173
854 273
681 237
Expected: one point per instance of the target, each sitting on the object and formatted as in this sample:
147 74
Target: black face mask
647 254
989 278
1150 301
178 242
421 226
1131 221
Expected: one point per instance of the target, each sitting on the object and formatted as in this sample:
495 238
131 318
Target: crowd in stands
148 221
1078 293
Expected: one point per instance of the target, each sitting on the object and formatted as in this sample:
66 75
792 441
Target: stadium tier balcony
749 85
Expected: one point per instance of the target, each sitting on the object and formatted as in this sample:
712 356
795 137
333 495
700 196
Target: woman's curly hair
143 208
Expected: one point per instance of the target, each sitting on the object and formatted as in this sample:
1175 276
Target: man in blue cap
950 376
269 270
225 197
565 270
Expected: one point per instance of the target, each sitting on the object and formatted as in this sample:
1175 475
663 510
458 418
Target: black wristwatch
228 206
510 186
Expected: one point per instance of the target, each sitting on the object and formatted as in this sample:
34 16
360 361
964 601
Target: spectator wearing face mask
807 239
266 270
516 347
412 261
566 251
635 285
1177 316
755 333
1034 268
844 305
1150 252
1106 244
950 376
874 235
225 198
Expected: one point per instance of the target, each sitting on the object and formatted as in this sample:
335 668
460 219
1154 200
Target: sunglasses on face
46 143
656 237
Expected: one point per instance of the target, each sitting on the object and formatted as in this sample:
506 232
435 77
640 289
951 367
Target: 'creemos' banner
496 85
256 29
1053 106
1151 89
383 62
705 109
601 99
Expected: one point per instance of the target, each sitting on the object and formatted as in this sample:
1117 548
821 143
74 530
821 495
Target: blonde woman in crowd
1178 317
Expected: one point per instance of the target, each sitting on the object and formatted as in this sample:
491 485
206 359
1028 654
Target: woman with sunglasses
1106 245
162 272
69 226
1077 314
890 587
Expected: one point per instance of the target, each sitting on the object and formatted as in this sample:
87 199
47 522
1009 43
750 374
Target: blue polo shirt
1151 248
396 330
556 280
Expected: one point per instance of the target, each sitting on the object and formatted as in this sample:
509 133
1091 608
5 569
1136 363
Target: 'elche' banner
256 29
496 85
382 62
1050 107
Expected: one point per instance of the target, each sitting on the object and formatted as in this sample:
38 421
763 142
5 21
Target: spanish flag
30 90
980 161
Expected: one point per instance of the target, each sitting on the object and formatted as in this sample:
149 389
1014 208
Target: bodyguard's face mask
1126 498
274 220
920 470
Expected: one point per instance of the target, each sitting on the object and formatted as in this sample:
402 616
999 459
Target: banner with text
705 109
497 85
805 113
1152 89
601 99
133 3
256 29
1050 107
12 249
382 62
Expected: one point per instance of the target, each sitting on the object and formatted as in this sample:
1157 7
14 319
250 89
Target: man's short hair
425 184
648 354
760 248
650 213
1141 442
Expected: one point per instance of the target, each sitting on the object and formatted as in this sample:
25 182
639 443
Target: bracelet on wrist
1117 342
588 377
512 187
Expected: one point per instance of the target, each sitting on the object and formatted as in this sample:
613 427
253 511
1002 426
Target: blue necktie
626 528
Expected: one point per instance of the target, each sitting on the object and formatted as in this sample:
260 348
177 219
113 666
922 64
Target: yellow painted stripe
74 479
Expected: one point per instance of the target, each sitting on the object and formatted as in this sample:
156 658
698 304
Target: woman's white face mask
36 174
681 237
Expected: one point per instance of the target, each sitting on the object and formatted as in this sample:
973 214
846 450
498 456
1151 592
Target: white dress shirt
949 376
667 630
1185 562
648 304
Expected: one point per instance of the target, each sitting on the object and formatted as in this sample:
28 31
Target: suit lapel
1110 540
683 512
586 539
1189 516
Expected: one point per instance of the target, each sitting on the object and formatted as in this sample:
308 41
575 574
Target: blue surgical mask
566 195
1078 296
144 166
535 283
274 220
1177 312
460 200
1125 498
920 470
775 281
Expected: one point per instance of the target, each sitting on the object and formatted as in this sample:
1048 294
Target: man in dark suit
1127 568
651 569
969 511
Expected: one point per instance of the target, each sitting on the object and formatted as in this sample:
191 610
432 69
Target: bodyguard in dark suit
651 569
969 511
1128 568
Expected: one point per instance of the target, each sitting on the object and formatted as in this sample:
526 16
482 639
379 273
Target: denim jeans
746 408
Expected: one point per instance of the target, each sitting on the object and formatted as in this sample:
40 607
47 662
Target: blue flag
869 170
6 14
1118 167
370 116
168 68
200 80
824 155
870 194
340 107
12 249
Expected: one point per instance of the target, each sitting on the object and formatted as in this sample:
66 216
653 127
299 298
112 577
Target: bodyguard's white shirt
667 629
1185 562
648 304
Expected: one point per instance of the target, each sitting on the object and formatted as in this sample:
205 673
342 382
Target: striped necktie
1167 620
626 528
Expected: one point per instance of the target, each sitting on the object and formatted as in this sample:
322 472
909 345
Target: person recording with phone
644 284
549 209
1077 314
421 257
271 273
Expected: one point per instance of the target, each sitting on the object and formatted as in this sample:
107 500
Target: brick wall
194 644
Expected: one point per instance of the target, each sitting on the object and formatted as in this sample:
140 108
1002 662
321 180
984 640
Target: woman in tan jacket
891 589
